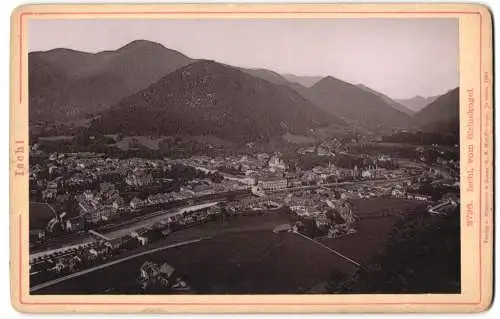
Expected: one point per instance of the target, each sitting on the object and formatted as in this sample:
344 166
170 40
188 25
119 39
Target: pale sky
398 57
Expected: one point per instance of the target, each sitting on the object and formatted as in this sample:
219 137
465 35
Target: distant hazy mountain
417 103
355 105
65 83
388 100
277 79
293 81
442 114
306 81
268 75
209 98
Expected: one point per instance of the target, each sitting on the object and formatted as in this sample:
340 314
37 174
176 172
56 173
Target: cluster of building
139 178
330 214
400 192
164 277
69 260
97 182
101 205
106 188
65 261
73 170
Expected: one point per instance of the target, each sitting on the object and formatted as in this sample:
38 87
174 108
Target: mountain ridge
236 106
444 110
66 83
91 82
355 105
388 100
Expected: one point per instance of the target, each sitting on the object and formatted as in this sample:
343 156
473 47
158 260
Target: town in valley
151 172
90 209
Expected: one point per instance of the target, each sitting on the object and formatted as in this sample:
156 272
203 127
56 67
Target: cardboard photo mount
476 153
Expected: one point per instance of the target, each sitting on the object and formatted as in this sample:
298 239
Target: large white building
276 163
272 184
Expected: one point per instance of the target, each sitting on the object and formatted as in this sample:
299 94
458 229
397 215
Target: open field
238 262
366 207
368 241
372 231
244 256
236 224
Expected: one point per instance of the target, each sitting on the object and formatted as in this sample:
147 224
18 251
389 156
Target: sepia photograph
251 155
244 156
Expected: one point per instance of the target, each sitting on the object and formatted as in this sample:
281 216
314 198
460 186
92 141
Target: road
150 212
125 227
111 263
371 182
143 222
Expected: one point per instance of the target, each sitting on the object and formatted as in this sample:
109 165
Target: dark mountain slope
388 100
66 83
442 114
356 105
43 75
67 61
306 81
208 98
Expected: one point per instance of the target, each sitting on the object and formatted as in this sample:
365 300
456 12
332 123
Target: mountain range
357 106
65 83
145 87
398 106
210 98
442 114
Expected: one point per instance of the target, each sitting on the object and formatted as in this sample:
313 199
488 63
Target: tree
335 216
216 177
70 206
